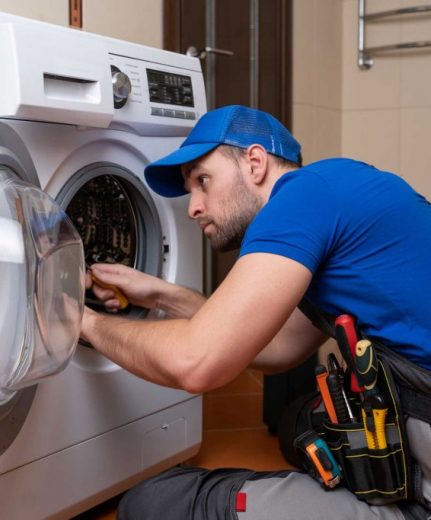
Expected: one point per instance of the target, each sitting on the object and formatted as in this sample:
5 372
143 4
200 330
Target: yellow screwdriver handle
371 440
124 302
379 423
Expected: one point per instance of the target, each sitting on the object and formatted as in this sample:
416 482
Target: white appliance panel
93 430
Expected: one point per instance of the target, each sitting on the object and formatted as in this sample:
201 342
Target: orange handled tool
321 376
124 302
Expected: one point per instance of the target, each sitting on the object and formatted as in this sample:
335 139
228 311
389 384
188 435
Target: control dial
121 86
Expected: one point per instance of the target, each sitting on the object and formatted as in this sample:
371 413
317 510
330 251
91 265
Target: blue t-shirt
366 237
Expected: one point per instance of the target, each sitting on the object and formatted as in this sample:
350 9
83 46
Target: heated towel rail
365 60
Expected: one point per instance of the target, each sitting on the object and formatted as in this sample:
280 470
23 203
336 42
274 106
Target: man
352 238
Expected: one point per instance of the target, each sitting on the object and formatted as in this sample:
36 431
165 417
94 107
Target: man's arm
220 340
297 340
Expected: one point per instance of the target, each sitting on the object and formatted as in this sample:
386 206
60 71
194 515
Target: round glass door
42 273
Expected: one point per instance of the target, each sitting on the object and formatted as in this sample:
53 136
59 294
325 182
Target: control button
121 86
167 112
190 115
156 111
180 114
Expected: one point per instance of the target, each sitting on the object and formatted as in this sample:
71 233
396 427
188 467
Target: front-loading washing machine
80 117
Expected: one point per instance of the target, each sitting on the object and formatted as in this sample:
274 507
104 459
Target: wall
382 115
52 11
387 109
317 77
133 20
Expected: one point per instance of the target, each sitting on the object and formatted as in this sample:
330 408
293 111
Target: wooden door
258 74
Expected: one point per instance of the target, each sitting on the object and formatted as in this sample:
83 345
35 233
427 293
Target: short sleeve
299 221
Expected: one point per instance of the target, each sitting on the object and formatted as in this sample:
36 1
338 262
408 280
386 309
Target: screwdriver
334 368
321 376
345 332
118 294
367 365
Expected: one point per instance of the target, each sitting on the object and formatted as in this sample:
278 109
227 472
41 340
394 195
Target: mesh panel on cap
248 127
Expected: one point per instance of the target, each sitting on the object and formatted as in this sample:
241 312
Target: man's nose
196 207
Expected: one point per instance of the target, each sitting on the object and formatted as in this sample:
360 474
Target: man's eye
202 179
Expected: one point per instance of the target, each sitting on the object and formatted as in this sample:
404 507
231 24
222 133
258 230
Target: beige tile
318 130
416 64
326 133
303 49
378 87
415 148
327 54
372 136
303 129
46 10
317 53
139 22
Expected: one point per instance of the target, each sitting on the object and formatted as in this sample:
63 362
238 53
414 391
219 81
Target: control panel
171 89
157 95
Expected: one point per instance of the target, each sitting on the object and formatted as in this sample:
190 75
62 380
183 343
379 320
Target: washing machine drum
42 277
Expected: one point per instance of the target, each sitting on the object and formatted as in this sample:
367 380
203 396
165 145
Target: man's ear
257 158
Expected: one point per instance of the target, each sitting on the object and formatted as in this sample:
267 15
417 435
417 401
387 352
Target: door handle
201 54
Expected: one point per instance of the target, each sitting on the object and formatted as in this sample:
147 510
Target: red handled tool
347 337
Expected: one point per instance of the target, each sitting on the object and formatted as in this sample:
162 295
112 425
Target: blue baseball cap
233 125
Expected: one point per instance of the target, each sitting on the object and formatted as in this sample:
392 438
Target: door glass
42 279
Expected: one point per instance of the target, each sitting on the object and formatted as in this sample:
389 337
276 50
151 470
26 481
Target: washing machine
80 117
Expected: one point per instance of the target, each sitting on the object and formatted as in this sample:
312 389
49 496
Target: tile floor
233 434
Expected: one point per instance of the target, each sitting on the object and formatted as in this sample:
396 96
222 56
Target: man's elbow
197 376
196 382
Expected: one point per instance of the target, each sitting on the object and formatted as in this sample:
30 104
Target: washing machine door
42 277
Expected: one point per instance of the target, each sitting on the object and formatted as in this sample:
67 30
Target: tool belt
364 445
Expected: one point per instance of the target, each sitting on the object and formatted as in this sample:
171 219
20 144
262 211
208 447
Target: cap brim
164 176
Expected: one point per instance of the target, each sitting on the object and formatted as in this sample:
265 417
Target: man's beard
241 206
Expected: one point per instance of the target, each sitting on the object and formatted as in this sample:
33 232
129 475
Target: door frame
172 37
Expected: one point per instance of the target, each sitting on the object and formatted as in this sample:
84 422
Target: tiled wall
132 20
317 79
382 115
46 10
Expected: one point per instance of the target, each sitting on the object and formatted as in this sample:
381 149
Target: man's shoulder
336 164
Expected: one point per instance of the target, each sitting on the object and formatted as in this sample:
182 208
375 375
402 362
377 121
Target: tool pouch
377 476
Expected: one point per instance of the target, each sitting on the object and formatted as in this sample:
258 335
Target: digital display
171 89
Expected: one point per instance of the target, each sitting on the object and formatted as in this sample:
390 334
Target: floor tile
232 411
246 383
248 448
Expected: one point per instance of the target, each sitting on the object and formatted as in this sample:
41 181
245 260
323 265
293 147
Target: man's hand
143 290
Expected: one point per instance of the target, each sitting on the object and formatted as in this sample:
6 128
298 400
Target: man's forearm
179 302
133 345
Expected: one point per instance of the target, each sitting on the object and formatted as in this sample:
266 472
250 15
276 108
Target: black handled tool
335 368
337 398
367 366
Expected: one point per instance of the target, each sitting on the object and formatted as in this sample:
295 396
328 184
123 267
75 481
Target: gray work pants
198 494
201 494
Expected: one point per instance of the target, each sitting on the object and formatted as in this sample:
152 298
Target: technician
350 237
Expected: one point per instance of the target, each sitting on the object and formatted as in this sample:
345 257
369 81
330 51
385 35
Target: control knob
121 86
